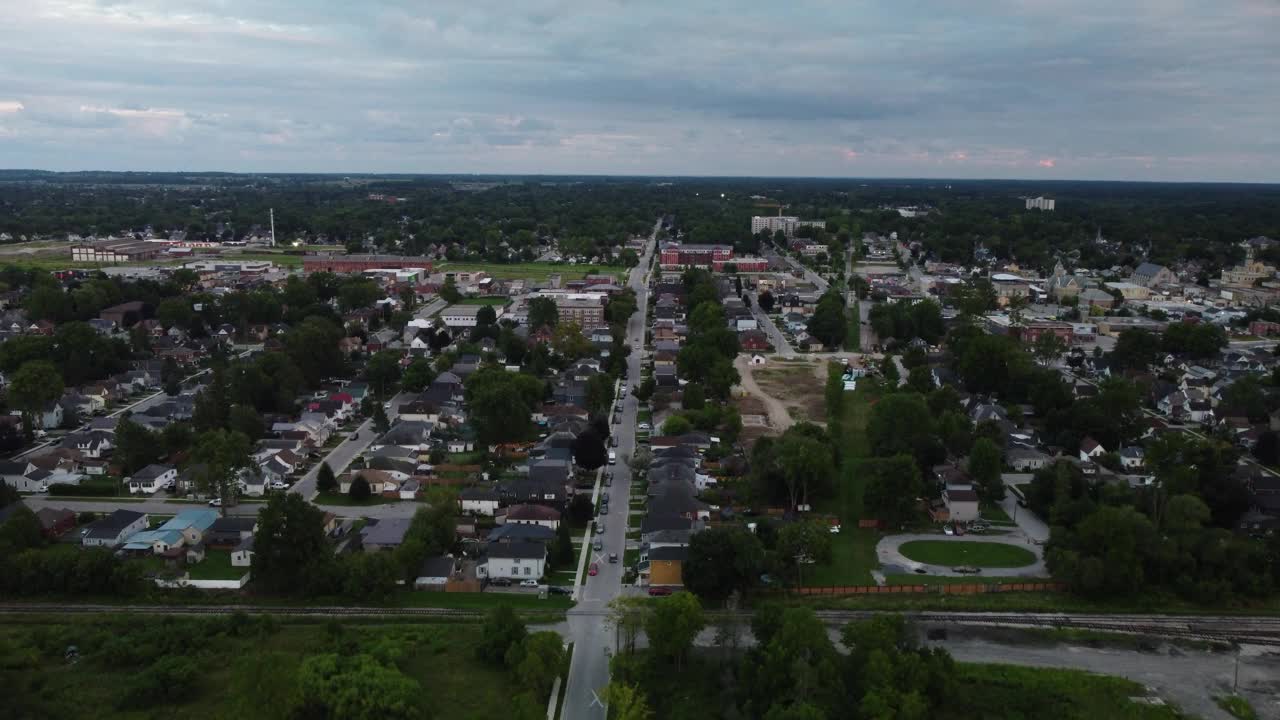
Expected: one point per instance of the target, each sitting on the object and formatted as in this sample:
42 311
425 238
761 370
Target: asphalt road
591 636
776 338
342 455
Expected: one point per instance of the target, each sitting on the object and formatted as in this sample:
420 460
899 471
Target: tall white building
774 223
786 223
1040 203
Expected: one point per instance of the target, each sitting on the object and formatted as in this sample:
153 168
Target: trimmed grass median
967 552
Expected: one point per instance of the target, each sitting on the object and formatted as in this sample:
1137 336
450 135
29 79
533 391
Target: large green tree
501 403
290 551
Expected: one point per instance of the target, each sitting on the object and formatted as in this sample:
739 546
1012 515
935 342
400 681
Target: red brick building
1033 330
675 256
361 263
1264 328
742 265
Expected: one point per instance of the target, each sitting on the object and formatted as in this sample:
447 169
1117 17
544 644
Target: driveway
893 562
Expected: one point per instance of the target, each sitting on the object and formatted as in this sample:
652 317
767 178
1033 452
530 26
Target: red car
659 591
593 570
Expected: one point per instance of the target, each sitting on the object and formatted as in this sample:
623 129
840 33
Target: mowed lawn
967 552
853 551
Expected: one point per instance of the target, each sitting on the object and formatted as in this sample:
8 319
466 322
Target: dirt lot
798 386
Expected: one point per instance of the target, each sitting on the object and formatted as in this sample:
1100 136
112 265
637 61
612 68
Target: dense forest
505 218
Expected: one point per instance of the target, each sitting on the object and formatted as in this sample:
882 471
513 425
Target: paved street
776 338
589 668
342 455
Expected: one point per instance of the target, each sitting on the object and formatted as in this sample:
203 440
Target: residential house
384 534
1024 459
961 502
666 565
228 532
1091 449
435 573
479 501
1133 457
242 556
114 529
152 478
533 515
515 560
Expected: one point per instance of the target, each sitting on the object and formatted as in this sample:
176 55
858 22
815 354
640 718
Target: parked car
216 502
613 458
659 591
500 582
279 485
597 545
594 569
559 590
606 498
613 558
530 583
613 441
642 426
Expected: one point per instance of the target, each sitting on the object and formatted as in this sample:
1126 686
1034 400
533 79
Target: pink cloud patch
850 154
1047 163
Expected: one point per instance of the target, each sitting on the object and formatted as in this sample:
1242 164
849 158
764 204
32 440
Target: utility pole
272 211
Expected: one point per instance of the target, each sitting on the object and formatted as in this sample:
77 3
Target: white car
642 426
279 485
529 583
216 502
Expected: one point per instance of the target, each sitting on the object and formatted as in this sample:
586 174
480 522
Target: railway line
1246 629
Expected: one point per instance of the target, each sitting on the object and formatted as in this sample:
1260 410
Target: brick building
361 263
675 256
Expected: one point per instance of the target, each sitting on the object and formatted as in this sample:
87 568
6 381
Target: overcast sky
1053 89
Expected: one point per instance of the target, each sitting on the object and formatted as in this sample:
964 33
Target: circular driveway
893 562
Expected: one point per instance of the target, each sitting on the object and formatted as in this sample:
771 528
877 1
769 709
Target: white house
115 528
152 478
516 560
242 556
533 515
1025 459
1133 457
478 501
961 502
1091 449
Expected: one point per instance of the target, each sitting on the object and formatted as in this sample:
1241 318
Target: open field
534 271
484 301
797 386
967 552
242 667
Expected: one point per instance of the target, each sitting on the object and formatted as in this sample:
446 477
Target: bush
87 489
169 679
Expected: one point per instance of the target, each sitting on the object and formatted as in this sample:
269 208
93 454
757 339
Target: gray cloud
1176 89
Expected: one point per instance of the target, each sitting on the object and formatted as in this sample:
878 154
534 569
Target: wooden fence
954 589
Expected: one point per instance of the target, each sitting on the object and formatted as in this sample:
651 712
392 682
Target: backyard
216 566
967 552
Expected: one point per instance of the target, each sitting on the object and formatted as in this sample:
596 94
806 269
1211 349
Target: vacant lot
965 552
245 668
793 388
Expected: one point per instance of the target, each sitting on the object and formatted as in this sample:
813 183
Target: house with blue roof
187 528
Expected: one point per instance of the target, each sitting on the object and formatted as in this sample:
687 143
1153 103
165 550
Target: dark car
659 591
501 582
559 590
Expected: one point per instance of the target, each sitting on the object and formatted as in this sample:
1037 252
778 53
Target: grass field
853 337
533 271
992 512
216 566
484 301
967 552
245 668
853 551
